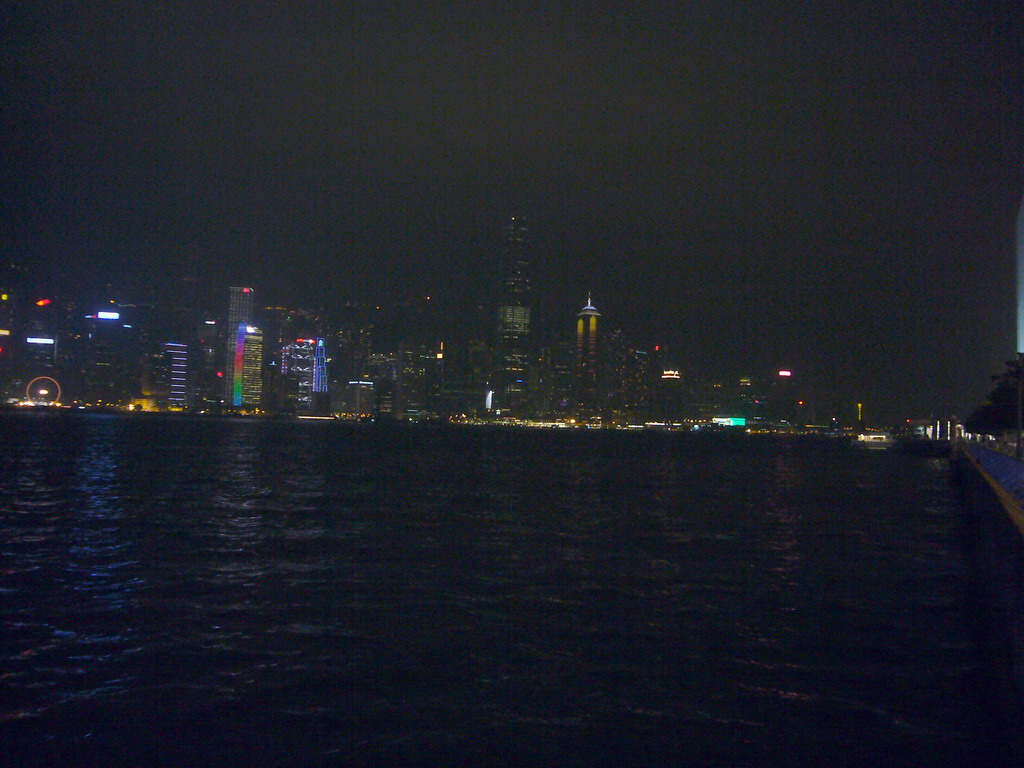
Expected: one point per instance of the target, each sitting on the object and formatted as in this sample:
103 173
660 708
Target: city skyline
830 189
243 356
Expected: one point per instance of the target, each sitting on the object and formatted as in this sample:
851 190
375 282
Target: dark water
205 592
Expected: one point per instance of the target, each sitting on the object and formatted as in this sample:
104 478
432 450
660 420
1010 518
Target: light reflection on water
71 586
334 593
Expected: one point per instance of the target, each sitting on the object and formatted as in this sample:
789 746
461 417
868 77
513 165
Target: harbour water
186 591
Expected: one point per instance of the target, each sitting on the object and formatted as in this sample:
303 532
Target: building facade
240 318
512 337
587 361
249 393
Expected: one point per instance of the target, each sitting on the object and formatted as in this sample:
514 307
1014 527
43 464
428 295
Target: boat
874 440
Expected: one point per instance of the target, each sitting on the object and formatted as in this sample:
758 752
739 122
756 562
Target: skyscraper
240 311
176 356
107 353
240 303
320 373
587 373
250 349
304 371
513 320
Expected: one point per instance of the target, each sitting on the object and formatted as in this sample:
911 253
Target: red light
247 290
657 347
43 302
220 374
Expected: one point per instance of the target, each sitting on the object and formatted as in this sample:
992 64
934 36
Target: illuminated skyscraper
250 343
240 317
320 368
107 355
513 320
587 372
176 355
304 370
240 305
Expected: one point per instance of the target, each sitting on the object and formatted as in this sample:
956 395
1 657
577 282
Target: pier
991 487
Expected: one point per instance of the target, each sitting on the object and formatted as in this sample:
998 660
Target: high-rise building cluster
243 354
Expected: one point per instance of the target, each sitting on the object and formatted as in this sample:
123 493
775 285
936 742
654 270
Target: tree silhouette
999 412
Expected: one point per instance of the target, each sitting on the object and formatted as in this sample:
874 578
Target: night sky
829 186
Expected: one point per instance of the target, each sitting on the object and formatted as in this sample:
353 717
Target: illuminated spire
590 309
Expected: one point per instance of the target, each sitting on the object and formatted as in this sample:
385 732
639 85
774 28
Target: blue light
1020 278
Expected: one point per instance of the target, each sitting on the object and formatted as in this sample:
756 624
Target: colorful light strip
239 361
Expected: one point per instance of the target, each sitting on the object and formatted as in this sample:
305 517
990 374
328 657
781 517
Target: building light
4 332
210 322
785 373
43 302
108 315
39 340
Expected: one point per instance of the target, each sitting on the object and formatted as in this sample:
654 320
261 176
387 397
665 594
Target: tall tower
240 303
240 311
587 358
176 359
251 352
513 319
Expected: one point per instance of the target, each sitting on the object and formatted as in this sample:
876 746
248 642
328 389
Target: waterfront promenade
1005 476
991 487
